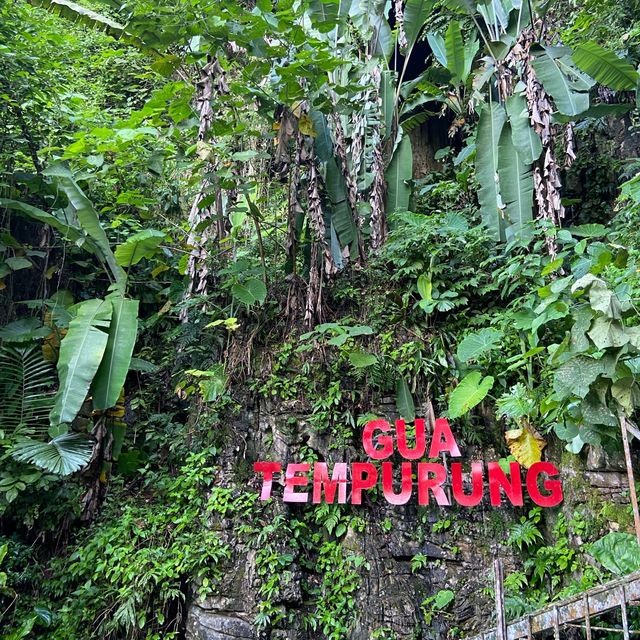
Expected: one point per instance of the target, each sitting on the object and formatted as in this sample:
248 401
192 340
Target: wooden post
587 618
556 623
501 621
632 485
623 611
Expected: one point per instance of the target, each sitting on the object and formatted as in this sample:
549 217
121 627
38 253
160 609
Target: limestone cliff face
458 544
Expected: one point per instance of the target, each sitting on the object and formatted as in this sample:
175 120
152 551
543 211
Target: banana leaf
454 47
516 184
399 172
492 120
416 13
561 79
87 217
524 138
112 372
341 214
605 67
81 352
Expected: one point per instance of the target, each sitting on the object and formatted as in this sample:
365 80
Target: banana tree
524 89
95 353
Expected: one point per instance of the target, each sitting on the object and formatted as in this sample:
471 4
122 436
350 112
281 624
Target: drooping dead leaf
526 445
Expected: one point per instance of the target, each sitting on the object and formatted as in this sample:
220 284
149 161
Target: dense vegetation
212 206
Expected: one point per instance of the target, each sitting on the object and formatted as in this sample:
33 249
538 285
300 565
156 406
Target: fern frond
27 390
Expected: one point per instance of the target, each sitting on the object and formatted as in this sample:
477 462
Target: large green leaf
492 119
470 49
454 47
61 225
111 374
618 552
388 79
472 389
76 12
568 87
605 67
404 400
382 42
524 138
601 110
143 244
399 172
87 217
437 44
63 454
323 142
516 184
251 292
575 376
324 14
81 352
341 214
476 344
362 359
416 14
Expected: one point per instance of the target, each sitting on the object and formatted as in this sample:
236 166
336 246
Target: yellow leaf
305 125
296 108
526 445
158 270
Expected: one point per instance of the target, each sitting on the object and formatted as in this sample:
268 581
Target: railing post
632 486
501 622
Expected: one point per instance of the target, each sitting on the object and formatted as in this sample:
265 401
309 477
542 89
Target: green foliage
617 552
563 81
477 344
111 374
605 67
398 174
118 586
186 232
63 454
526 533
471 390
26 380
81 352
492 120
436 604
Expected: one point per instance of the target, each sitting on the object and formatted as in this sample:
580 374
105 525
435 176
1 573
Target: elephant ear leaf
605 67
111 373
492 119
64 454
471 391
81 352
618 552
561 79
